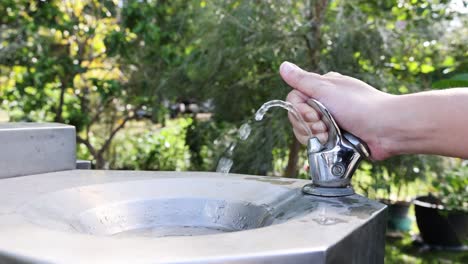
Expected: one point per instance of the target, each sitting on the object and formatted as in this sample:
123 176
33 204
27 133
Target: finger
312 116
332 74
298 125
322 137
296 96
310 84
315 127
318 127
301 137
298 100
307 112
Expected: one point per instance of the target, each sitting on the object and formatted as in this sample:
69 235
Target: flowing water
224 165
244 131
285 105
226 162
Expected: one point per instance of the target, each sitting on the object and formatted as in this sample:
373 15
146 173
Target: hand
354 105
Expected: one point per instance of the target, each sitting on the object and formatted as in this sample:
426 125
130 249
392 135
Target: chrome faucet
333 164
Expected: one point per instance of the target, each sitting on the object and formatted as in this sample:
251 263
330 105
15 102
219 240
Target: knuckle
320 126
332 73
304 79
294 96
299 78
290 96
312 116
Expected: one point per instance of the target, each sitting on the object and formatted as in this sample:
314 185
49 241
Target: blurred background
166 85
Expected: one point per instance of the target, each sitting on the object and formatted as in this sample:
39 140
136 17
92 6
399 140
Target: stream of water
226 162
285 105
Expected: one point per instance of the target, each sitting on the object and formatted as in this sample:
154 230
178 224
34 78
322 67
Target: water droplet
224 165
244 131
231 148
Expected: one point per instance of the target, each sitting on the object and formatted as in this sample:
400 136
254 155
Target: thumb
311 84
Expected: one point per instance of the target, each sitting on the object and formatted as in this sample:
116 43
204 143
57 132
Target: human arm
433 122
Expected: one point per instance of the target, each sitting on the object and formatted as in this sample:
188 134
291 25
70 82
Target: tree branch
113 133
86 142
58 112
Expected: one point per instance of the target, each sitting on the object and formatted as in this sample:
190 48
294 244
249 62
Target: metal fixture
332 164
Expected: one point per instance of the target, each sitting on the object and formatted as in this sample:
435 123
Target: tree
86 63
99 64
59 70
392 45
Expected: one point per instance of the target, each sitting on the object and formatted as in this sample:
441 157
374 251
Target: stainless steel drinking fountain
51 212
333 164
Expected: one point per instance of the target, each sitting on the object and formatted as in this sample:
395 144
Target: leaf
448 61
443 84
458 80
426 68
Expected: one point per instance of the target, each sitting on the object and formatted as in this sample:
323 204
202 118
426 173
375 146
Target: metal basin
171 217
167 207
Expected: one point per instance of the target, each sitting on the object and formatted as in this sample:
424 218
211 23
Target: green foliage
458 80
96 64
451 188
204 144
209 141
405 250
256 154
89 63
164 149
399 178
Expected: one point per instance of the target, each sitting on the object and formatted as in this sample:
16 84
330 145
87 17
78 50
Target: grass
405 250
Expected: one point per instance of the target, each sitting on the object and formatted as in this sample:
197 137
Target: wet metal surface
84 216
272 180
